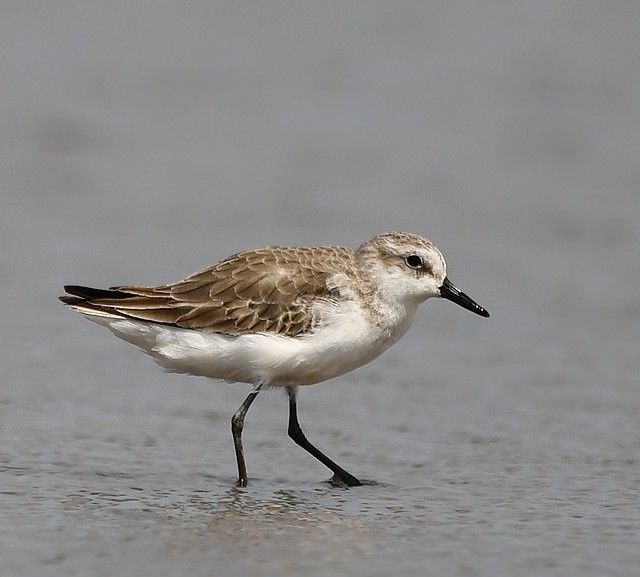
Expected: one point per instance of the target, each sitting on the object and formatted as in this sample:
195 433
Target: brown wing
265 290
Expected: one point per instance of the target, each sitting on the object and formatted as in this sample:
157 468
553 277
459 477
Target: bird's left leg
295 432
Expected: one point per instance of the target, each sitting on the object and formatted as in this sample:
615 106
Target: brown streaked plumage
265 290
279 316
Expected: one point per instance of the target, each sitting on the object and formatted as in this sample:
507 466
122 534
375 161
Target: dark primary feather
94 293
266 290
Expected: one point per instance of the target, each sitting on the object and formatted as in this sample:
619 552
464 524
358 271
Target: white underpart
346 340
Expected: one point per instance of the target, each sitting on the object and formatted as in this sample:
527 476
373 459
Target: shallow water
143 143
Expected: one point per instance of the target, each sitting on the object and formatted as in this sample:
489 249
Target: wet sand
143 143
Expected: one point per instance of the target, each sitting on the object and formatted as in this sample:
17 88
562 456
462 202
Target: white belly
346 342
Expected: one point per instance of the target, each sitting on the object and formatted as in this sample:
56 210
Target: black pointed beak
450 292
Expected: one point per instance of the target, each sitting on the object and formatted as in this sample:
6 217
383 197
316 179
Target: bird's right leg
237 424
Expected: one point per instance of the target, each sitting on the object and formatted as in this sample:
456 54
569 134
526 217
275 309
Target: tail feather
83 300
88 293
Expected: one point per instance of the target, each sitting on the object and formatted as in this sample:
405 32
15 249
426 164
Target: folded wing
267 290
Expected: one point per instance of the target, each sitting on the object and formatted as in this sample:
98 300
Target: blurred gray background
141 141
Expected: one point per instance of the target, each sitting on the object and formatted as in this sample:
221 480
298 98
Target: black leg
237 423
295 432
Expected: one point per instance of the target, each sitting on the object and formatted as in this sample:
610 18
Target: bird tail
82 299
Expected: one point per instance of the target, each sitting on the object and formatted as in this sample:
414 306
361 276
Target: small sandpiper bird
280 317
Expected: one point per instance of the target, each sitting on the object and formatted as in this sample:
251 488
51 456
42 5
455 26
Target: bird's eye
414 261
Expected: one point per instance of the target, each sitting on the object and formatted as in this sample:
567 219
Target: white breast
346 340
